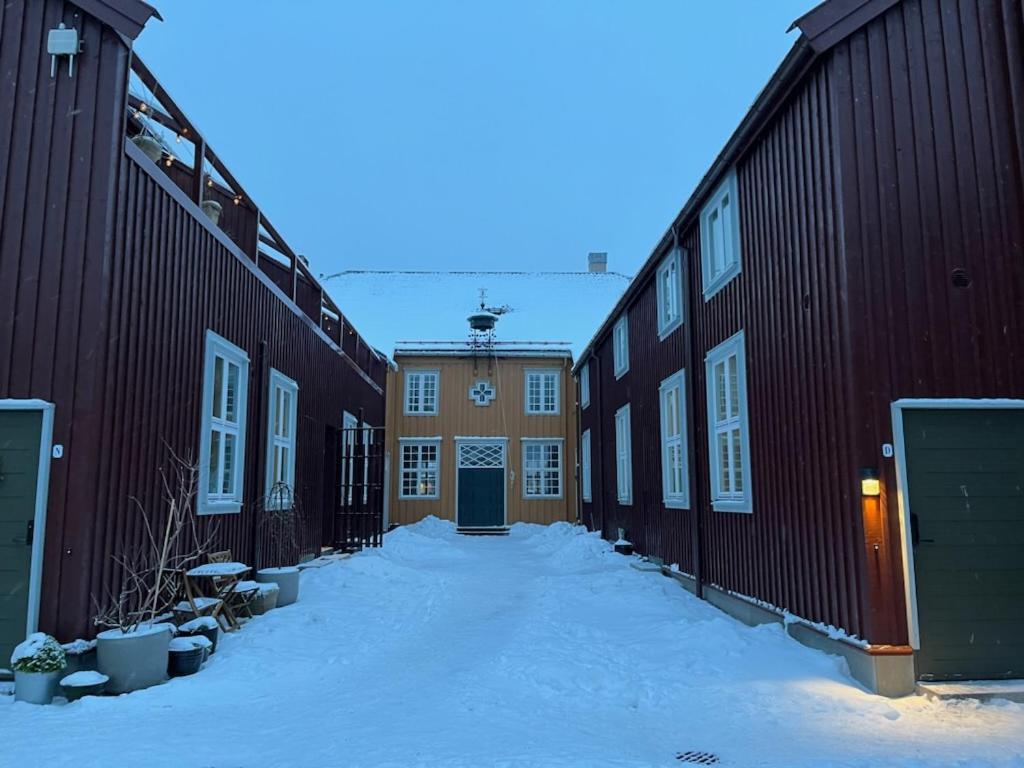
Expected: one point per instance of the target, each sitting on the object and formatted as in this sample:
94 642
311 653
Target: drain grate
697 758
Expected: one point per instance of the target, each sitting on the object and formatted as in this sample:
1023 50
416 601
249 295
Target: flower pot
135 660
287 580
81 684
153 149
186 656
36 687
205 626
80 655
212 209
266 600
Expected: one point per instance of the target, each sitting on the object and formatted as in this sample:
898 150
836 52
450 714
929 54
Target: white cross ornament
481 393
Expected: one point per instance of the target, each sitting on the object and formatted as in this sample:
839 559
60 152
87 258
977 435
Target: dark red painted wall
109 279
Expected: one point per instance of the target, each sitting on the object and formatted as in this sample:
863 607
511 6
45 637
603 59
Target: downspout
598 407
696 525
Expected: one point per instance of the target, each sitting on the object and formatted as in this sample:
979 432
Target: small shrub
39 653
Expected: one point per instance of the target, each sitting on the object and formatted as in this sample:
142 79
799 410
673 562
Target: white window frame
711 281
585 384
620 346
681 498
542 443
349 425
723 500
670 300
586 468
420 374
623 456
279 386
223 502
420 469
543 374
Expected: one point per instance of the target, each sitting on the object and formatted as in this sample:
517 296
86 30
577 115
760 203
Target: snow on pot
287 580
136 659
153 149
81 656
77 685
186 655
265 600
212 209
38 664
204 626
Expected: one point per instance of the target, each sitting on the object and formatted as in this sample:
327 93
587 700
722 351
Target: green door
19 469
965 478
481 492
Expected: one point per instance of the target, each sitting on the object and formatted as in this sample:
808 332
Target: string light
177 138
238 199
209 181
169 161
142 108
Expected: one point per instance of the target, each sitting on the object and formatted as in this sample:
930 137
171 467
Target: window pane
734 391
214 479
724 486
231 405
218 387
229 464
714 258
726 233
720 401
737 462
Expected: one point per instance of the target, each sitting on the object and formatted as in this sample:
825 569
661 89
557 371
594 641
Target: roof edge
125 16
833 21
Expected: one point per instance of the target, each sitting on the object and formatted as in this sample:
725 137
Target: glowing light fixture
869 482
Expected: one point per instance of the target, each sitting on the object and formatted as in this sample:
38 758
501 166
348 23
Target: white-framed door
481 463
905 489
25 526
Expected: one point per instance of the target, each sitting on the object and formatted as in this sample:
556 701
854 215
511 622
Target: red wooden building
132 326
811 397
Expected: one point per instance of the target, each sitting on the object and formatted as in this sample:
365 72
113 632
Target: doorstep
982 690
323 560
468 530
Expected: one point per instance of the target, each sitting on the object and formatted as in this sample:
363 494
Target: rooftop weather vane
481 323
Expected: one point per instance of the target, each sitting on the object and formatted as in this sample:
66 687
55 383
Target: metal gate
359 509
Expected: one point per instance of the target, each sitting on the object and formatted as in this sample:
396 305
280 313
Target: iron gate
359 507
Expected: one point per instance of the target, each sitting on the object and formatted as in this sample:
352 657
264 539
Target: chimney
597 262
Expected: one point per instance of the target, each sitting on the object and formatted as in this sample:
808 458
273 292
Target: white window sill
676 503
625 502
743 506
587 499
421 413
418 498
541 497
620 374
664 333
713 287
219 508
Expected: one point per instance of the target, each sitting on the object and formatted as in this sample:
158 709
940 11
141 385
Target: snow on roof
389 307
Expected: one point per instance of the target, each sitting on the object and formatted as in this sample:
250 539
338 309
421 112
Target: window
585 385
542 469
670 290
620 346
623 456
284 395
421 392
720 237
349 431
675 481
542 391
222 450
420 461
586 473
729 441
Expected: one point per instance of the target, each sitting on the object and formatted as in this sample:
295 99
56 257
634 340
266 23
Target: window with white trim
419 472
542 469
280 483
670 290
349 434
675 481
222 450
728 432
542 391
623 456
585 385
620 346
421 389
586 473
720 237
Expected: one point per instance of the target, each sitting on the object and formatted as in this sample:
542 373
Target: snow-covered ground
540 649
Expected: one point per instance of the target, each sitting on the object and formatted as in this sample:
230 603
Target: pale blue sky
468 135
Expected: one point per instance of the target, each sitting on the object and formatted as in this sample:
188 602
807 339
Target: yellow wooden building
482 433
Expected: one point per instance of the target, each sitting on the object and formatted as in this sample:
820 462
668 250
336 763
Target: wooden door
481 485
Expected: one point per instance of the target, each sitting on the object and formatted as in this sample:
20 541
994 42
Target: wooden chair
244 592
192 604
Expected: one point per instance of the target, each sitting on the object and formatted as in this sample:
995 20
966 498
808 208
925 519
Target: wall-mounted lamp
869 483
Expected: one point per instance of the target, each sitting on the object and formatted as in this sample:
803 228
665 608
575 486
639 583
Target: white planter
36 687
212 209
287 580
154 151
134 661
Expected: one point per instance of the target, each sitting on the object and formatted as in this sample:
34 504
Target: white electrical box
63 42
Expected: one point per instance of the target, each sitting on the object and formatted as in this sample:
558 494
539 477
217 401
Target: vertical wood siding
109 279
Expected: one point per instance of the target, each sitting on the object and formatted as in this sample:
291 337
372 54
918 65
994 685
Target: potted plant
38 664
265 600
134 651
77 685
204 626
187 655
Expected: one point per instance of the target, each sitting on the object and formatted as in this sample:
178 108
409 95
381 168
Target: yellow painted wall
504 417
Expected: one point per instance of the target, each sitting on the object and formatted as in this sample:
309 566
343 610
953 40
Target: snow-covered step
982 690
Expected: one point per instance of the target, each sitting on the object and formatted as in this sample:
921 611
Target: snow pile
541 648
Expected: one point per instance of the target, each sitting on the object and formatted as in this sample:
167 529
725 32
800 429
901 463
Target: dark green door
19 470
965 478
481 492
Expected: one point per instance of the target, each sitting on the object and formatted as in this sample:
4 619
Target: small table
222 577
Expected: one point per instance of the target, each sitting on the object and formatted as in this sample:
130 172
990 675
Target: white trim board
35 578
902 488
